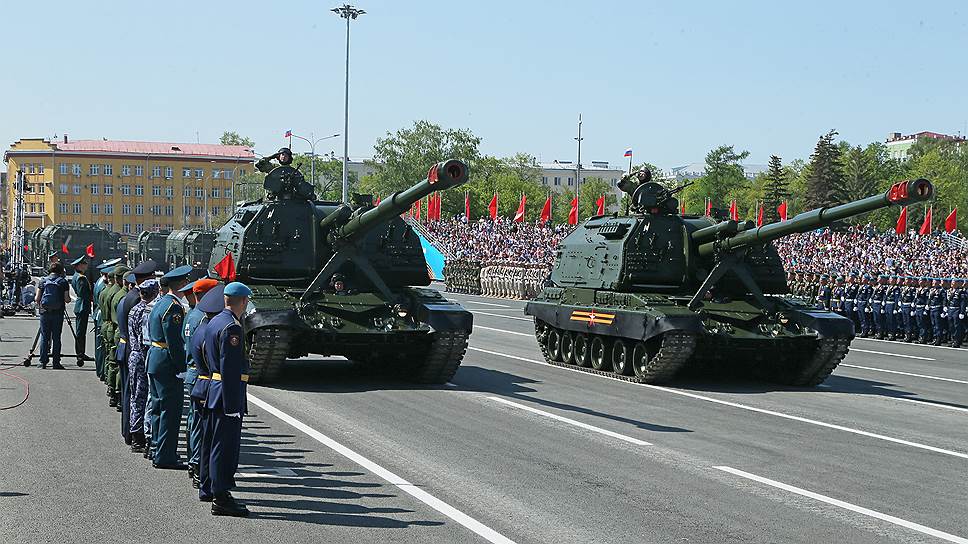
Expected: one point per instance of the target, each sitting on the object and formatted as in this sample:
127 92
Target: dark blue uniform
121 356
226 397
936 305
51 317
892 310
82 311
878 293
166 359
837 299
199 394
192 321
850 301
957 305
909 297
921 313
863 305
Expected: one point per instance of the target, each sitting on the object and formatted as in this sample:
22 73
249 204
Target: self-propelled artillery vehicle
649 293
341 279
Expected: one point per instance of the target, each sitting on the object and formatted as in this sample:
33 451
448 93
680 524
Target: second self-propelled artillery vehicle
646 294
341 279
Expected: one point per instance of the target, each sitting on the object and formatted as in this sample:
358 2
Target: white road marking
579 424
893 354
504 316
487 304
469 304
926 403
476 326
847 506
741 406
415 491
263 472
907 343
926 376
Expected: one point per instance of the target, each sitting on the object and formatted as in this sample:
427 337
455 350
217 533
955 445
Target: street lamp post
578 164
348 12
312 151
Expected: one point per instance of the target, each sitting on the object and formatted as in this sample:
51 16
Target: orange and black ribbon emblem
592 317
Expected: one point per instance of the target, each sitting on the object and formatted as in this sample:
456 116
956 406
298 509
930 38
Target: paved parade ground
512 450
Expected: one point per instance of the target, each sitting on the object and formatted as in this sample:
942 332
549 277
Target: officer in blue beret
225 401
82 306
166 365
210 305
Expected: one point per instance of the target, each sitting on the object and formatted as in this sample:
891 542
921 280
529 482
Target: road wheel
568 347
641 357
583 350
620 359
554 344
599 359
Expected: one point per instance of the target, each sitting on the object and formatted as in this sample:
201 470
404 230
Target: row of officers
158 341
912 309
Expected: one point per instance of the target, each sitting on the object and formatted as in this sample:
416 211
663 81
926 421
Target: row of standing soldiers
463 276
159 341
912 309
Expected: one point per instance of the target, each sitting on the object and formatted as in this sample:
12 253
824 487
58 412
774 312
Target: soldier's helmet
284 156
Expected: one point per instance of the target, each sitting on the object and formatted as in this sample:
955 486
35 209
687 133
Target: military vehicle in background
149 245
341 279
191 247
104 245
645 294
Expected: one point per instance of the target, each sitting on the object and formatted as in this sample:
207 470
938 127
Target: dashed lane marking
893 354
846 505
925 376
921 402
486 303
413 490
504 316
578 424
834 426
476 326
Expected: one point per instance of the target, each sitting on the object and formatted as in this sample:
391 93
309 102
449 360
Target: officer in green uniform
107 327
99 287
113 373
82 307
166 362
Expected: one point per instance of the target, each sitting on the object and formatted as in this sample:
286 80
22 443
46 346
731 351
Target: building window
108 189
614 182
186 172
156 171
29 168
169 210
126 170
41 205
139 209
41 188
76 169
94 169
108 170
40 168
199 173
216 173
557 180
198 211
126 209
544 180
227 174
94 187
62 207
33 208
109 226
109 209
156 210
199 193
126 228
77 207
139 227
63 168
94 209
215 192
156 190
214 211
169 191
126 190
187 210
76 189
187 192
571 181
228 192
139 170
139 190
168 172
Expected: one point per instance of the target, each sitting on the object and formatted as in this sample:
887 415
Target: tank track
674 354
268 348
444 356
813 370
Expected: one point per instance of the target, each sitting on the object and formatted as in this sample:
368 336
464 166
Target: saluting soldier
82 307
192 320
166 360
226 398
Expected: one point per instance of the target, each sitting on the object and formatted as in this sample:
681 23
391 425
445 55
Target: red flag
901 226
951 222
89 250
600 202
573 214
782 210
926 226
431 204
435 198
64 249
492 207
709 207
288 134
546 211
377 200
682 208
467 206
733 213
759 217
519 215
226 268
419 205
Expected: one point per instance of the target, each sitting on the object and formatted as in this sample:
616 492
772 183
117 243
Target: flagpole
630 163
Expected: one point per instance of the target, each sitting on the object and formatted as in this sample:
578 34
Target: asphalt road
514 450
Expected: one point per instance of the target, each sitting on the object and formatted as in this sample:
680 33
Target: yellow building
125 186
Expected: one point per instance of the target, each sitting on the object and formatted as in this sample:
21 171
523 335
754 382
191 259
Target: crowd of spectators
500 241
865 250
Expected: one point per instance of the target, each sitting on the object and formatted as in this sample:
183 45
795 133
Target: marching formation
162 341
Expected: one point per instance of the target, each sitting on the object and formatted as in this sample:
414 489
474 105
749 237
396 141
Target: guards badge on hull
592 317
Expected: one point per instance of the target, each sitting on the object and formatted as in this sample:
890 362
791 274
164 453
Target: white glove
912 314
180 375
961 316
236 414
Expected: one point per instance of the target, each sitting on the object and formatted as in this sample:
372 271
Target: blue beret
188 287
212 301
106 269
179 273
79 260
130 278
146 268
237 289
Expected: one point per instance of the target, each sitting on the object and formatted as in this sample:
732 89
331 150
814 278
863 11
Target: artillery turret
345 279
648 293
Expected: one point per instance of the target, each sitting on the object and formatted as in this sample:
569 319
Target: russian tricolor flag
628 152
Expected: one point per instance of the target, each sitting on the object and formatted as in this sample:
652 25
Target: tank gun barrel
900 194
441 177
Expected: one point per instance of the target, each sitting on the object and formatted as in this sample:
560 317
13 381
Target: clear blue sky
670 79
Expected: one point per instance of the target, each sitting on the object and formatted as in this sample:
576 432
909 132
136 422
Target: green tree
723 179
329 175
825 175
233 138
776 190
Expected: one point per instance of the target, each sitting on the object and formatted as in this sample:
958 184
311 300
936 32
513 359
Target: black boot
224 504
137 442
113 402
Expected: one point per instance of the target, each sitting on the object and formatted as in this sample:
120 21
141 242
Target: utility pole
578 164
348 12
